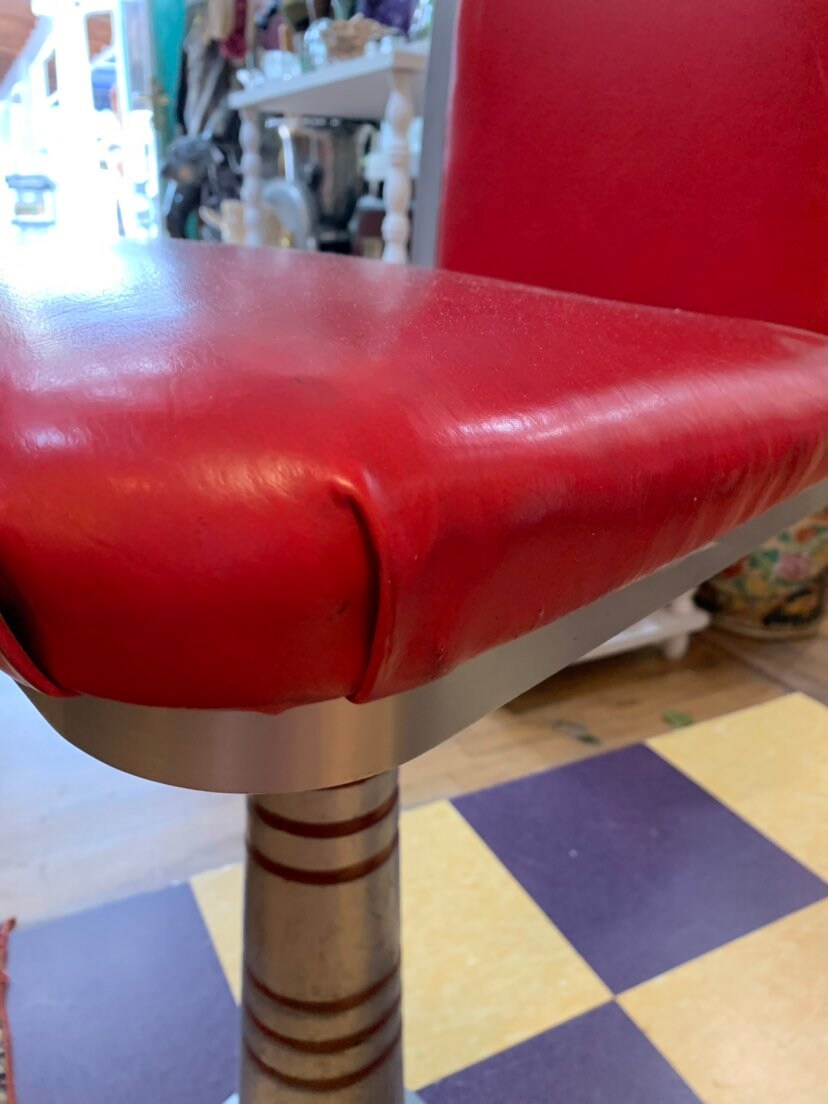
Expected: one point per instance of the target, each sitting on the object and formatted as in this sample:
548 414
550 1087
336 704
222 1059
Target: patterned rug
648 926
6 1073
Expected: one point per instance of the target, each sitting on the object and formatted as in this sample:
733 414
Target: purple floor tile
126 1004
638 866
598 1058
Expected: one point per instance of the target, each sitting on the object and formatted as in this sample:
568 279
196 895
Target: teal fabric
168 37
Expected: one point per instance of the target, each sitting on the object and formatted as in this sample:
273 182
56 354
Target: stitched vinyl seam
23 668
360 496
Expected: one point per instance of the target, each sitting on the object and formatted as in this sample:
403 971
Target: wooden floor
74 832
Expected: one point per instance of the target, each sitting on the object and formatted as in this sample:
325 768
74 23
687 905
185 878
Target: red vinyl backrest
654 151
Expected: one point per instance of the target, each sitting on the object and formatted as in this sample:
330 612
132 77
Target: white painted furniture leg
251 192
676 648
396 226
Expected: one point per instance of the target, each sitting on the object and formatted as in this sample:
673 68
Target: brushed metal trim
435 123
335 742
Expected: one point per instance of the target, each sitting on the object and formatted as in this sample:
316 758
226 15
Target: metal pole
321 1003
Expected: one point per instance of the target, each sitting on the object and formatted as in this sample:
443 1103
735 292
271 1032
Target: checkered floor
645 927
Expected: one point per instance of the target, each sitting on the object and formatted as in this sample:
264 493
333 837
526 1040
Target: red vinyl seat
248 479
257 479
286 478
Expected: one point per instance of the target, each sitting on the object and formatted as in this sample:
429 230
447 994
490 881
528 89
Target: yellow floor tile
770 765
219 894
747 1023
484 967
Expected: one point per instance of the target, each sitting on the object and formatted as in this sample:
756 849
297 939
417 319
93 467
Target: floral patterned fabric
778 590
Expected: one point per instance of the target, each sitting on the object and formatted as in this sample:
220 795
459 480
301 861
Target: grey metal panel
336 742
430 182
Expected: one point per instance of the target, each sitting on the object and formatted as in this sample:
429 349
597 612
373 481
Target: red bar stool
275 523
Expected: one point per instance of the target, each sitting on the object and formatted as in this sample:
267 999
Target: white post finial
396 226
251 192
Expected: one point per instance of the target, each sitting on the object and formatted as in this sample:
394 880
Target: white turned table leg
251 192
676 648
396 226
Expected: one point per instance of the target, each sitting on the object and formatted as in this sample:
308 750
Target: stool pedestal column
321 995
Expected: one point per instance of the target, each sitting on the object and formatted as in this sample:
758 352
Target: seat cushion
251 478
